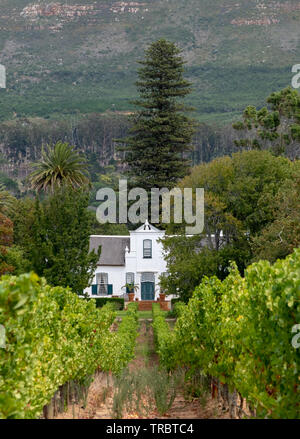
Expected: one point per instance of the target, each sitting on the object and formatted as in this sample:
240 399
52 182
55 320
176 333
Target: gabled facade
137 259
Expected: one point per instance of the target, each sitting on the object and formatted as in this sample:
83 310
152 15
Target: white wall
135 263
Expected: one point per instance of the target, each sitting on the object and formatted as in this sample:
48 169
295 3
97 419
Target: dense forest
95 136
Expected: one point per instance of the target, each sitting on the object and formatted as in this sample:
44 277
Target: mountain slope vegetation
75 56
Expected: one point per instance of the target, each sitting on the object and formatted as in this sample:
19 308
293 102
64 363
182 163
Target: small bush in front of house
132 309
117 302
174 301
178 308
171 314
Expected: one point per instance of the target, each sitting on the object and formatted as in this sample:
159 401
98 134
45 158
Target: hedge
118 302
121 344
163 337
174 301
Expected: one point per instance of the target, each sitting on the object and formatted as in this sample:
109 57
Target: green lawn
141 314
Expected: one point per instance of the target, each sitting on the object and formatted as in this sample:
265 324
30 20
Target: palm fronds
6 200
59 165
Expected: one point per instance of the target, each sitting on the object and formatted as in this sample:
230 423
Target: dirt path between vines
100 399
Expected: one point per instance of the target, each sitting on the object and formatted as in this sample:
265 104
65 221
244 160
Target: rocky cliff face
265 21
64 13
36 11
55 9
269 13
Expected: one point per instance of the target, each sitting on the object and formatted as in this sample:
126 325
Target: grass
141 314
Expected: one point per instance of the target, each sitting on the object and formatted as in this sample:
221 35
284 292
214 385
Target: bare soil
99 404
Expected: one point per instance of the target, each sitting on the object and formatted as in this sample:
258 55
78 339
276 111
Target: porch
146 305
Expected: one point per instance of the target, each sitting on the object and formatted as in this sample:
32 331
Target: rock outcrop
265 21
57 10
70 12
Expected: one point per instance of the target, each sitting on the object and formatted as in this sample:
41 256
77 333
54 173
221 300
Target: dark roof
112 249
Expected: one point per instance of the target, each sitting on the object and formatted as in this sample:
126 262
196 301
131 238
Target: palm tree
59 165
131 287
7 201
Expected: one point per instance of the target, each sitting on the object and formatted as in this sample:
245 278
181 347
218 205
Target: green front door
147 291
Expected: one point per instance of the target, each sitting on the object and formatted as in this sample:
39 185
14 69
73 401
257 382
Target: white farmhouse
137 259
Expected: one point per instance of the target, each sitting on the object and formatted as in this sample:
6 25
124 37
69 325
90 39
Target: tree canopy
54 235
275 127
248 214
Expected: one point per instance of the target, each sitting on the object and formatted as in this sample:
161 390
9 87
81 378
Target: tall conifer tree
161 133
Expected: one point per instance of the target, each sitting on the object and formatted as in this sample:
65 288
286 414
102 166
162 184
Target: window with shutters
147 249
102 281
130 278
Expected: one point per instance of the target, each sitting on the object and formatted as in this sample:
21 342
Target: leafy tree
109 177
106 228
161 132
93 134
239 191
58 166
189 259
281 236
15 258
276 128
240 202
12 258
55 238
6 239
24 217
8 183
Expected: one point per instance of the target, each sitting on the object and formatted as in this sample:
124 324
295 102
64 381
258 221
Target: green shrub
178 308
163 337
120 346
174 301
132 309
171 314
117 302
239 331
52 337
